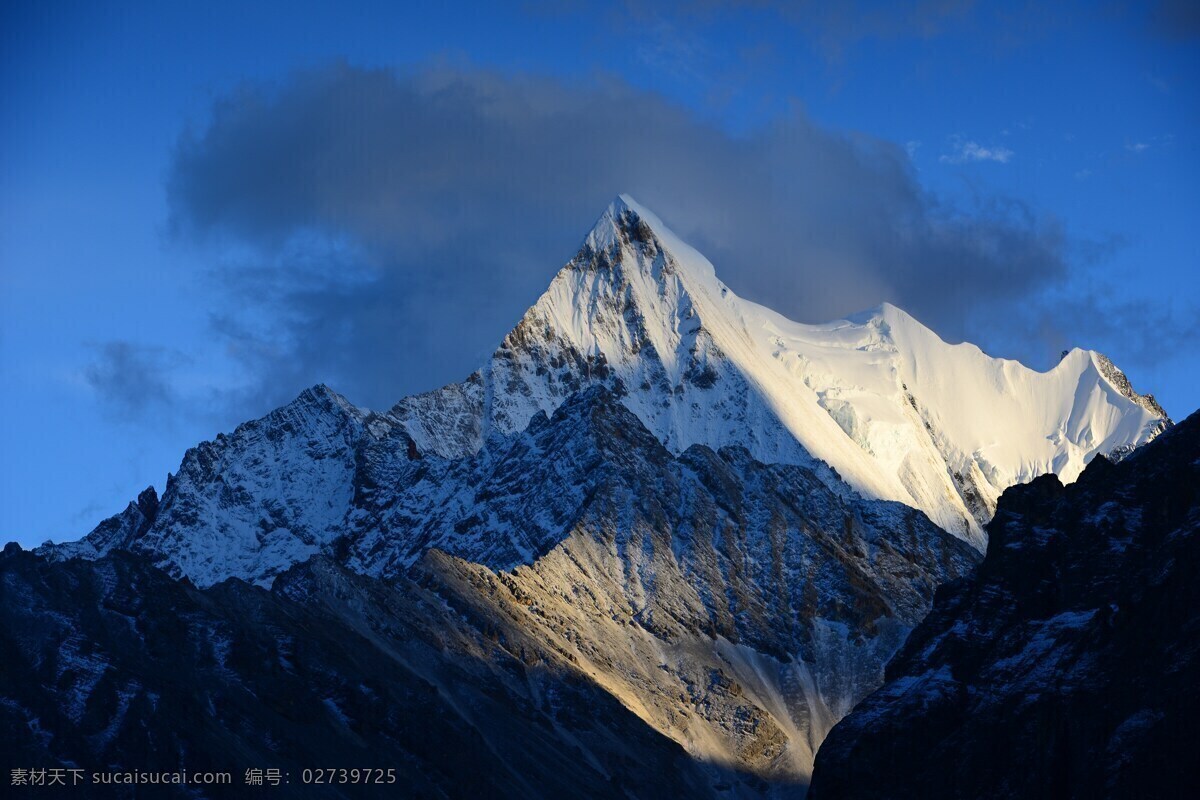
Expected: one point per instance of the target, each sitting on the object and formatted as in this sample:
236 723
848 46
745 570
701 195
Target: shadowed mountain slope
1067 666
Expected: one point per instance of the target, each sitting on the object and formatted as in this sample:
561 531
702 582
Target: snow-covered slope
896 411
253 503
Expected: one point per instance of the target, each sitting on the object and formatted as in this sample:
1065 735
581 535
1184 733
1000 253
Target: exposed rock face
1117 378
1068 666
736 609
805 594
112 665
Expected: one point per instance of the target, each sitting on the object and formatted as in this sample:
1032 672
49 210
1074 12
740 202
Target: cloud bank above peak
399 222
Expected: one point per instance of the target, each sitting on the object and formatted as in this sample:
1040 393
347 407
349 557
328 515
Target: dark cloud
131 380
1147 329
391 227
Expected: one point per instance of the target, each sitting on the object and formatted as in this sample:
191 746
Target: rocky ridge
1067 666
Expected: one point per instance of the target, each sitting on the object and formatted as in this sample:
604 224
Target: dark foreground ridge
113 665
1068 666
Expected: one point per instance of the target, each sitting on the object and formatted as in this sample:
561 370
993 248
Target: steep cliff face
1067 666
119 531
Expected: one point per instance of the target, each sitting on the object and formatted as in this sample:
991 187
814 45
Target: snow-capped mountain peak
876 404
896 411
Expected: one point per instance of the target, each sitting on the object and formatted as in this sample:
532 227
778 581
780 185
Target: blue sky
205 208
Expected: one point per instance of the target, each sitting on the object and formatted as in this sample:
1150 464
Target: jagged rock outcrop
1117 378
119 531
253 503
1068 666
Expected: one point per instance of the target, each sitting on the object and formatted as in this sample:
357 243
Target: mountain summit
877 406
898 413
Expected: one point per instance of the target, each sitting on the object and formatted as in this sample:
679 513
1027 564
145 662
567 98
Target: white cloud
964 150
1142 146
